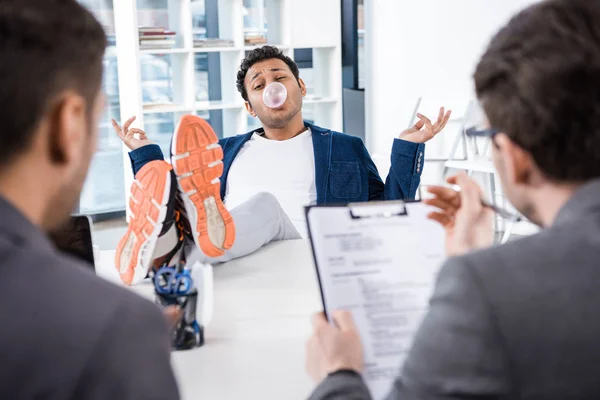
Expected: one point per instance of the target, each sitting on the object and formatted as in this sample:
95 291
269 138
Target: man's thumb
344 320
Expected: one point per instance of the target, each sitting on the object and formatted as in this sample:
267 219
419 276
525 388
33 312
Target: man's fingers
310 344
415 128
426 121
127 124
440 115
452 179
441 121
344 320
443 205
440 218
446 119
418 125
117 128
423 118
318 320
428 132
446 194
141 133
469 191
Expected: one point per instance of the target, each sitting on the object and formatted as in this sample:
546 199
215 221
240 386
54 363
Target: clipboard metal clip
377 209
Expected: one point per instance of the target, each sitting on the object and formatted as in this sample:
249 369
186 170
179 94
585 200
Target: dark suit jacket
517 321
67 334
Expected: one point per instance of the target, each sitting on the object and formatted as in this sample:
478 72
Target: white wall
424 48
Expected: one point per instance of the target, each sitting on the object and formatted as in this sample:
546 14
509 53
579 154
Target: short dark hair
258 55
46 46
539 83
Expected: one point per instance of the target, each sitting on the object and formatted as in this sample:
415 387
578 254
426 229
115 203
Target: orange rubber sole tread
194 139
145 200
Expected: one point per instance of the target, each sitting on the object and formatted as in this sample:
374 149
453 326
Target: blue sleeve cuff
409 153
407 161
144 155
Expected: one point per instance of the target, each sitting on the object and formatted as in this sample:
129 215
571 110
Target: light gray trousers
258 221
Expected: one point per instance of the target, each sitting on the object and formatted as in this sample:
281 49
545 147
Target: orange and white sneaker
197 161
153 230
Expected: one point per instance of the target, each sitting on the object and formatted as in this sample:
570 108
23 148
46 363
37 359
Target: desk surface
255 342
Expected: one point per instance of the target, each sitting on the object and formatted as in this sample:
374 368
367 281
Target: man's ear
67 127
302 87
249 108
518 164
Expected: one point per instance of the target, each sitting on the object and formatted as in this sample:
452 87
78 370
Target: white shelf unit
476 165
187 91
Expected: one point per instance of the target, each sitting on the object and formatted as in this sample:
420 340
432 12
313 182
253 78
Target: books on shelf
156 38
162 46
253 40
158 106
152 29
213 43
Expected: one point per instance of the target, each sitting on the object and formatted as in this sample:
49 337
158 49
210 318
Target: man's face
258 77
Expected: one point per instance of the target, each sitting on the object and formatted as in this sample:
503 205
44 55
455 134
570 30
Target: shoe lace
180 226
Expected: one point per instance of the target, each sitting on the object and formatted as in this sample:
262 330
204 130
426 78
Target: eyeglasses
489 132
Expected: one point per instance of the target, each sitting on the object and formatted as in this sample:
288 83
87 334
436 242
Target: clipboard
368 210
380 261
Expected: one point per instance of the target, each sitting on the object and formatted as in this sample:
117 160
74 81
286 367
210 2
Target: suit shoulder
75 283
115 303
346 140
79 304
509 252
517 260
346 137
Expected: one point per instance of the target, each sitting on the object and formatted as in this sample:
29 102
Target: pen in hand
505 214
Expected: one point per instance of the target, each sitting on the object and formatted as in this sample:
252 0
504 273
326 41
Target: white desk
255 342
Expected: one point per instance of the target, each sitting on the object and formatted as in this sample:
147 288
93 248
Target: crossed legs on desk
258 221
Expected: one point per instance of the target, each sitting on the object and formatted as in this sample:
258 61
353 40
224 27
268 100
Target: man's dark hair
258 55
539 83
46 47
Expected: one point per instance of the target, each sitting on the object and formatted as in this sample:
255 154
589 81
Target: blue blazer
344 170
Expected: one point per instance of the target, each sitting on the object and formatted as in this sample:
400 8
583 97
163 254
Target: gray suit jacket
517 321
66 334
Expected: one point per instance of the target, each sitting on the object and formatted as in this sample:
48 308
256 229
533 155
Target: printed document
381 266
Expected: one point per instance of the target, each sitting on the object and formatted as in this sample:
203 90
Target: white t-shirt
286 169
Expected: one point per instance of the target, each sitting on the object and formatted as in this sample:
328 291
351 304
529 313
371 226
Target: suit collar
18 228
322 150
231 148
317 130
585 201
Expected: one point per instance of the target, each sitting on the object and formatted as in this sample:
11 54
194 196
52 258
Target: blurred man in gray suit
65 334
517 321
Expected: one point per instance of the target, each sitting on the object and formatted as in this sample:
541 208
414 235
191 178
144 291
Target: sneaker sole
197 161
150 194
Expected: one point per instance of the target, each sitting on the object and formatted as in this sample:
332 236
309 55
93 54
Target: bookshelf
161 85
